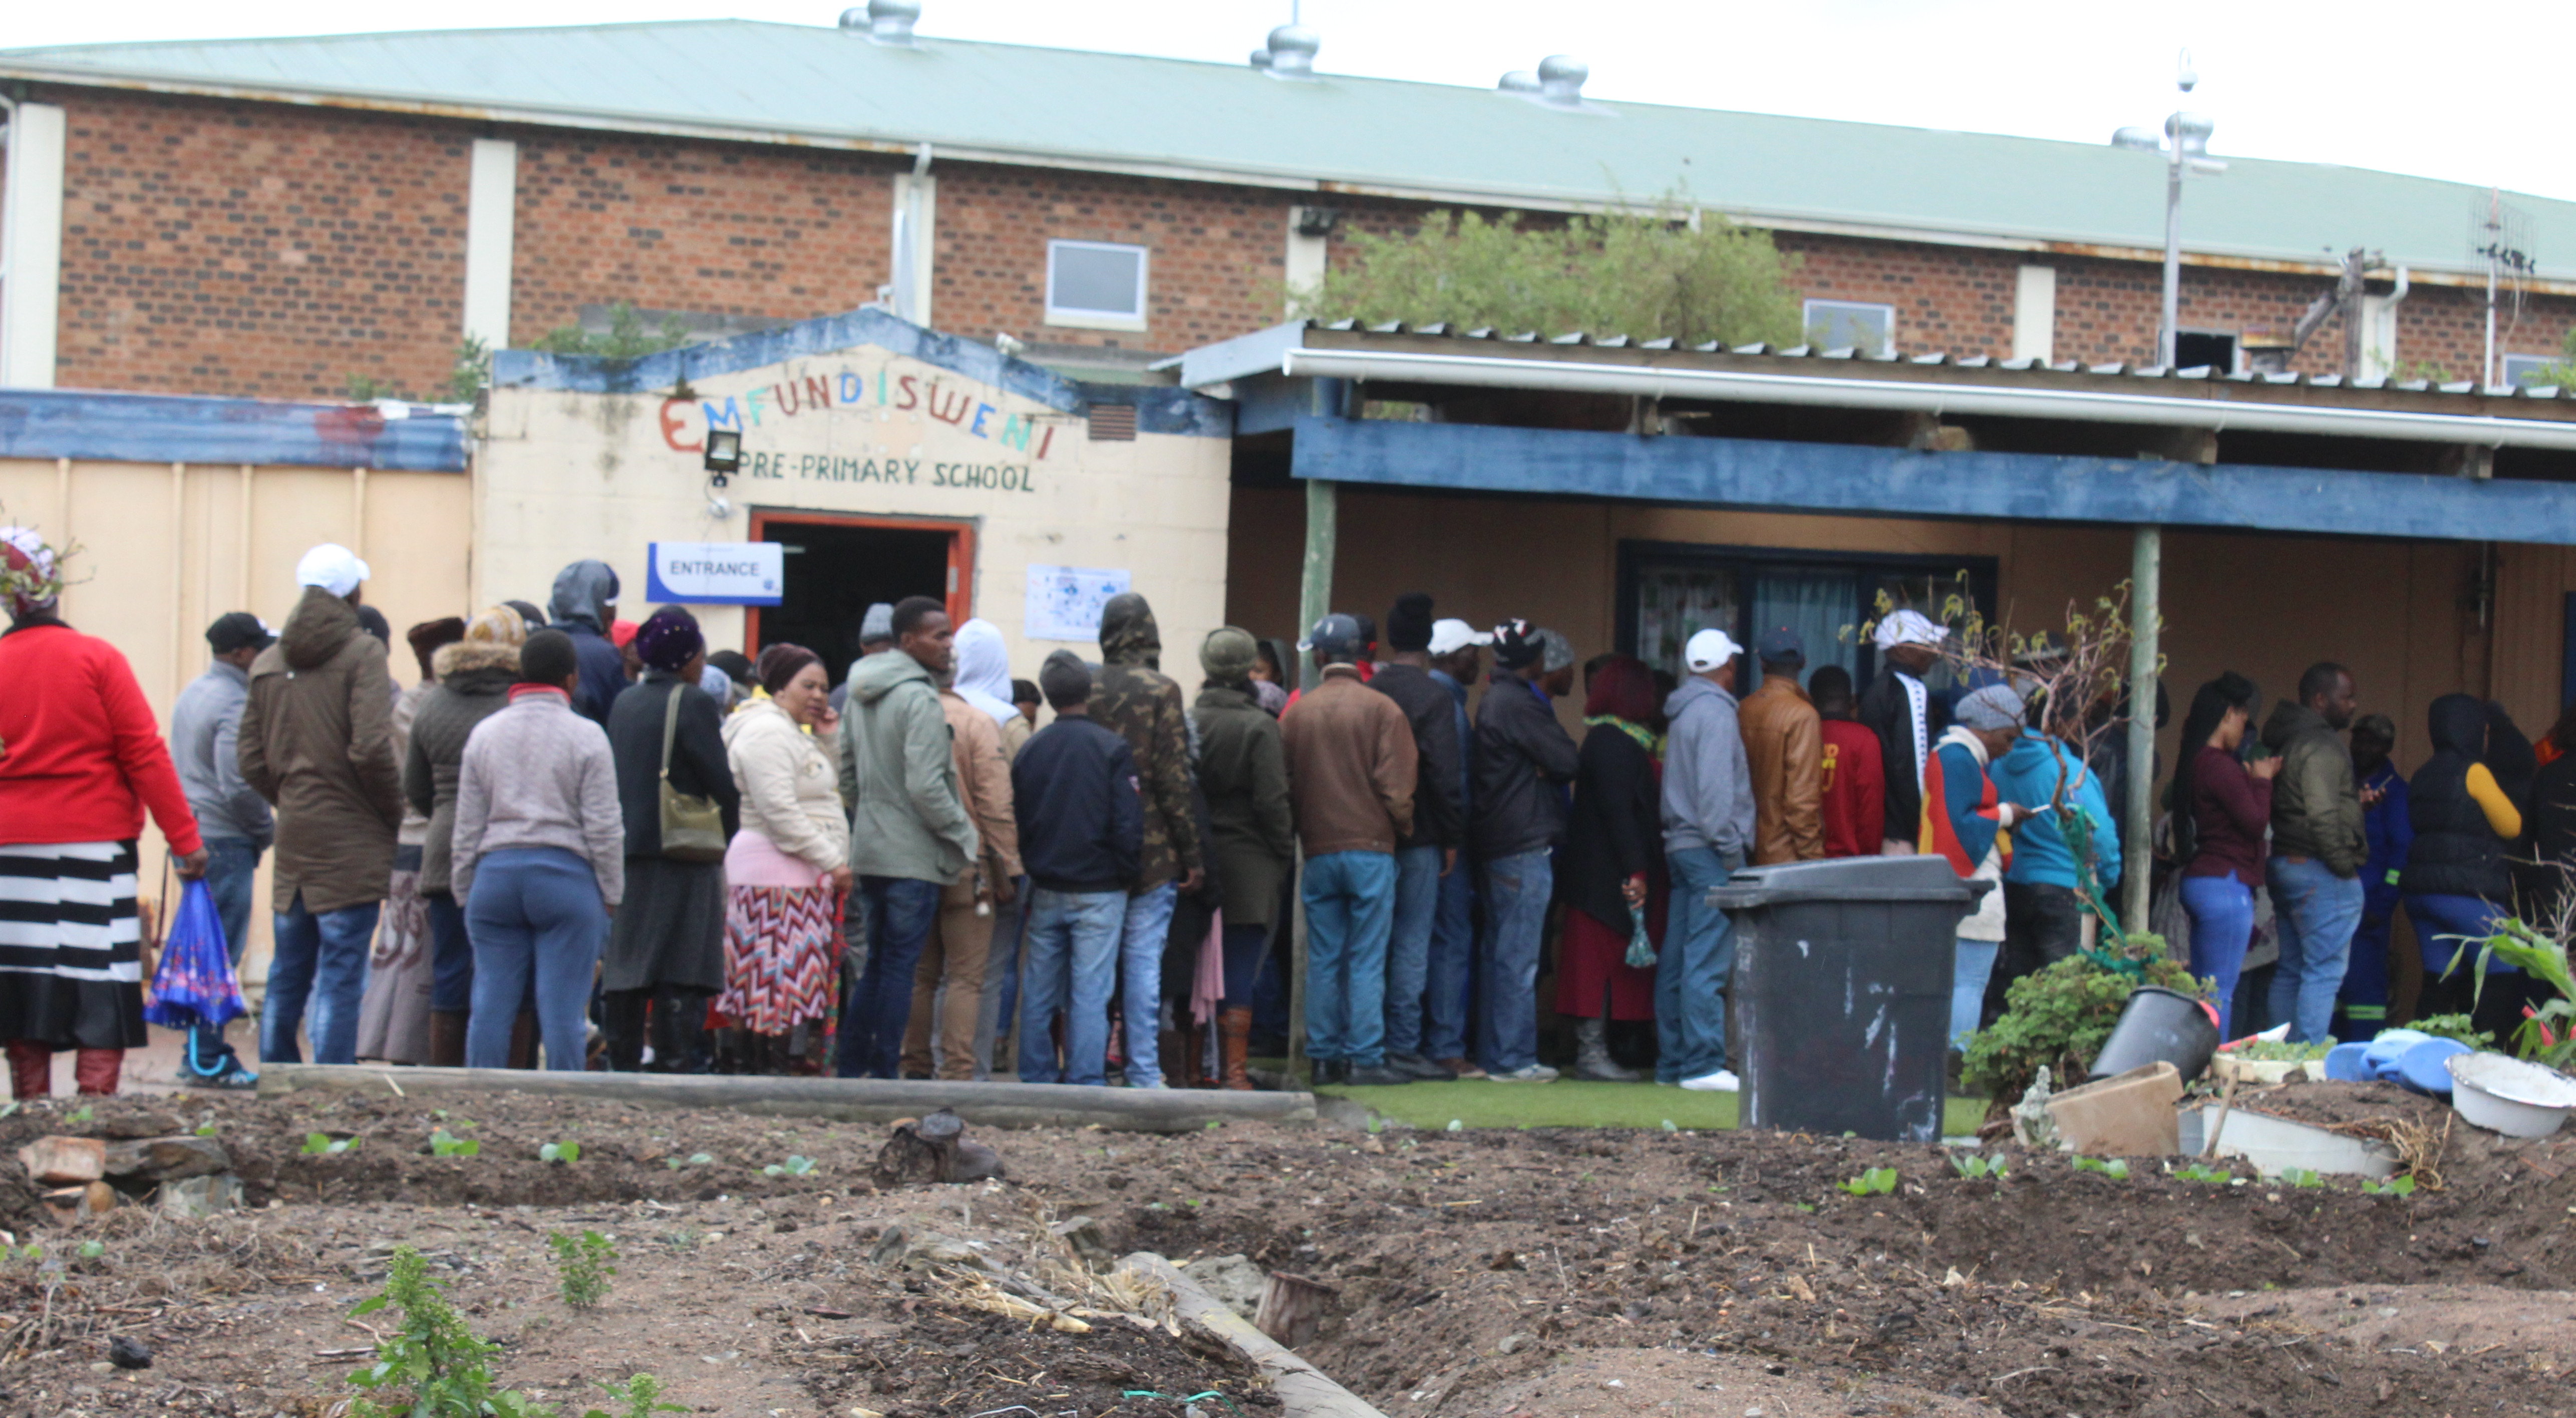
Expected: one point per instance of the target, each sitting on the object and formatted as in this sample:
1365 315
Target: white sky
2473 94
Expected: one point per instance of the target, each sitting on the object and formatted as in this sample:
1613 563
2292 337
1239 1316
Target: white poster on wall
1065 601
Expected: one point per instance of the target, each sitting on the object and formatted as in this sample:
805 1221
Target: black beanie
1408 626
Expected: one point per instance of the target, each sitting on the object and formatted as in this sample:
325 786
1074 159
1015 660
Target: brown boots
1233 1043
447 1038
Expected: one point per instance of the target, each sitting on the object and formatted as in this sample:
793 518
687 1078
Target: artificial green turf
1482 1103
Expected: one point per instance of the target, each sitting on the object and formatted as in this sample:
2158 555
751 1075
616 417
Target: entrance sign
716 573
1064 601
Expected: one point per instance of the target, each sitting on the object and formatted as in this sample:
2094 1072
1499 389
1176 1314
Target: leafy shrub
2454 1026
2059 1016
432 1366
583 1263
2547 1034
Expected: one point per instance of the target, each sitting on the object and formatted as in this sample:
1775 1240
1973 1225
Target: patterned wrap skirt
782 955
71 946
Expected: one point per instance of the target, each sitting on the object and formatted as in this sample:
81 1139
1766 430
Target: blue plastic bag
195 984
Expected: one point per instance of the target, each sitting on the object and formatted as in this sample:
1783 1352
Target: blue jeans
1142 941
232 864
1072 967
451 956
2314 912
1970 968
1408 945
321 958
1001 1000
1350 906
2222 921
538 926
1447 993
1516 895
1694 969
901 912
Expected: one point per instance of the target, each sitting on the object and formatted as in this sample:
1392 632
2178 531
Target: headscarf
431 636
984 670
667 639
1907 628
1623 697
718 686
781 663
30 575
1994 707
498 625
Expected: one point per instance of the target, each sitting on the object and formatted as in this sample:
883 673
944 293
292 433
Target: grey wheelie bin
1842 992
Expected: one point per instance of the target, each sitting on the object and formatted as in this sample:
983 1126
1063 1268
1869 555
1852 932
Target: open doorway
838 566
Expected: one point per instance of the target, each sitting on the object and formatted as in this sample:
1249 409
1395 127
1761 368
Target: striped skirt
71 946
782 956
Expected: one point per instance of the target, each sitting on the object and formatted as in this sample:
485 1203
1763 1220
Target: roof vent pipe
1261 59
1519 81
884 21
1560 80
1292 52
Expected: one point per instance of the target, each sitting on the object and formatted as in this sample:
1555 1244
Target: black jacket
1439 819
1524 757
1082 818
1886 712
2456 851
698 764
1617 827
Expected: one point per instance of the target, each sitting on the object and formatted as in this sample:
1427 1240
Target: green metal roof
970 100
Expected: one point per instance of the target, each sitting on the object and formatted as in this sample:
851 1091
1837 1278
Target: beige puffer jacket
790 784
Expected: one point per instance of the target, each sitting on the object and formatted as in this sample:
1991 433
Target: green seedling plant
2301 1177
2200 1172
2116 1169
83 1113
694 1159
1877 1181
794 1166
432 1366
92 1250
559 1152
641 1397
2394 1186
583 1264
447 1144
1978 1167
323 1144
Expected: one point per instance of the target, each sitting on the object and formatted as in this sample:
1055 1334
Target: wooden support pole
1314 601
2138 815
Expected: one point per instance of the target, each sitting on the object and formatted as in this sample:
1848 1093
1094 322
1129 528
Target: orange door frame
961 552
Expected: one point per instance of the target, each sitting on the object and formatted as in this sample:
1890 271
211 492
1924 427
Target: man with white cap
316 739
1907 718
1708 827
1457 661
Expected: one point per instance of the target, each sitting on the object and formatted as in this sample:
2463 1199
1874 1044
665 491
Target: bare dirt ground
1478 1273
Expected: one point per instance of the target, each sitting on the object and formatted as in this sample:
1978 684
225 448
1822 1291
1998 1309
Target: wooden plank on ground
857 1100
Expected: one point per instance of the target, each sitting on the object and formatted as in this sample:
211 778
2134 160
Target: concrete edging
855 1100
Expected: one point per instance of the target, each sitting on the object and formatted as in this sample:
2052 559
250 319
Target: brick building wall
213 247
220 247
1215 269
721 228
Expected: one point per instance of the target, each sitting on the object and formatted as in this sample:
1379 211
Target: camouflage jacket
1143 706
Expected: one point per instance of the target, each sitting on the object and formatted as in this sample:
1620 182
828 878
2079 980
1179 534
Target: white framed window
1096 285
1833 324
2524 368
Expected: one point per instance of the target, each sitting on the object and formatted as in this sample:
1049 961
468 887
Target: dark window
2195 348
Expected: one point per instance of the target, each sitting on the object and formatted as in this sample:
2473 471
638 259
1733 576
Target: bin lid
1916 878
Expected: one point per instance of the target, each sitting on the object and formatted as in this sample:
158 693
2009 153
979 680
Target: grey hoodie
1708 788
205 727
899 775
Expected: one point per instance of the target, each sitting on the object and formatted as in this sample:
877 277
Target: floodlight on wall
723 455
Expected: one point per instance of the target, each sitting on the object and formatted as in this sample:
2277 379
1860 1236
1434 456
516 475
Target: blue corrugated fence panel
1837 478
169 428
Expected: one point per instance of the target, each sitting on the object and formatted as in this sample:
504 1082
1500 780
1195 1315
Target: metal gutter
1817 223
1737 386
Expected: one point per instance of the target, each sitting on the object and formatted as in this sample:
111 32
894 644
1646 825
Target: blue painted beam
168 428
1840 478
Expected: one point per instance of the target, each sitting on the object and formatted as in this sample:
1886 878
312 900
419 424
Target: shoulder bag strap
671 726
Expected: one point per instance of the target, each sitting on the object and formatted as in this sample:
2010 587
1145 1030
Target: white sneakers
1535 1073
1719 1082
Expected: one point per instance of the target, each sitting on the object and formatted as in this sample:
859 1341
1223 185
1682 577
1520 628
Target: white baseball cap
332 567
1449 636
1709 649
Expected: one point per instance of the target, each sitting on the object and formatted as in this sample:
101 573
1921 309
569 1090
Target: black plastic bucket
2158 1025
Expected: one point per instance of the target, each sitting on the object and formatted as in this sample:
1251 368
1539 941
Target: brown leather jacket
1784 744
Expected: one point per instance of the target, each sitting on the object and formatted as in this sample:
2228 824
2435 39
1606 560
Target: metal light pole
2185 144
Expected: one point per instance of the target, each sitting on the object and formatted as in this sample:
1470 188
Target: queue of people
596 843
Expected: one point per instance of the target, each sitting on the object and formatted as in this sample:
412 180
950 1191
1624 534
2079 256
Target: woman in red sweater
81 757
